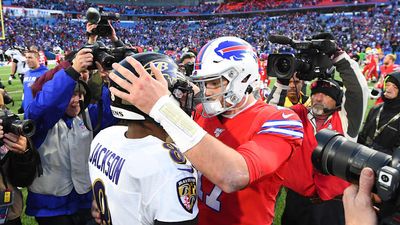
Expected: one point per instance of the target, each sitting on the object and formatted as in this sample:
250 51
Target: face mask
212 108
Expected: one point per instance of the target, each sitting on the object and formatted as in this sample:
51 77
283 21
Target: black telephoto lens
335 155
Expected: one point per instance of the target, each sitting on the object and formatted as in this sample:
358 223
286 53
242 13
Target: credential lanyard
378 131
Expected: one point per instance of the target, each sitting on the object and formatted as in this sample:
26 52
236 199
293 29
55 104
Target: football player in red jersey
240 144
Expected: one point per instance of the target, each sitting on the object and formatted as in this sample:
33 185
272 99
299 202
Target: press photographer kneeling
18 165
335 155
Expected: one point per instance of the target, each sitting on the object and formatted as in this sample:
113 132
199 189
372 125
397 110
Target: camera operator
11 209
62 195
312 197
92 38
381 128
187 63
357 202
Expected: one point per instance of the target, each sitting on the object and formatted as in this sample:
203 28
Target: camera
337 156
100 18
12 124
310 61
106 56
186 69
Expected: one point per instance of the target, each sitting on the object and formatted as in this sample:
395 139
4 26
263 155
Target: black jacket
389 138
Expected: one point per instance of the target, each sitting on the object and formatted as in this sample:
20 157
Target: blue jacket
29 79
46 109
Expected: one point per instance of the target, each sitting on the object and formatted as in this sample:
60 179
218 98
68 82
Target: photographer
186 64
12 209
62 195
312 197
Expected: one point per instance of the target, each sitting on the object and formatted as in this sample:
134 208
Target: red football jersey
265 136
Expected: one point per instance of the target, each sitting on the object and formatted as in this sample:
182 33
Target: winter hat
328 87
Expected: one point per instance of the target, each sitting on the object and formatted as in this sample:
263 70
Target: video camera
337 156
12 124
100 18
311 60
106 56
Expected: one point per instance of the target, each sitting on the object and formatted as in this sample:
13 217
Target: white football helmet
229 58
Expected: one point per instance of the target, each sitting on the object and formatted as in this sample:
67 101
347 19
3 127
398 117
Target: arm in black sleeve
118 43
362 137
355 98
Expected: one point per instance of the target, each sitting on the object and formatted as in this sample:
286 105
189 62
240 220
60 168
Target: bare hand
82 60
358 207
96 212
143 91
92 37
15 143
113 36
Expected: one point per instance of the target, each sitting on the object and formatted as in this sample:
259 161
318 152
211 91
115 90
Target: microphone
280 39
326 110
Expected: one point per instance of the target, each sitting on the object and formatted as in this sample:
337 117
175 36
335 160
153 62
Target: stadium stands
355 31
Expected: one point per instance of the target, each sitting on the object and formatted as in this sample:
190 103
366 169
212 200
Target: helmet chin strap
240 108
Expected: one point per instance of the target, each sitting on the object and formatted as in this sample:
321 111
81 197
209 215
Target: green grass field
15 90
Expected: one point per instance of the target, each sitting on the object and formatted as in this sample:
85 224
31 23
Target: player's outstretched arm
221 164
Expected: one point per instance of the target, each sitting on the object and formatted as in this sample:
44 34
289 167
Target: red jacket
300 176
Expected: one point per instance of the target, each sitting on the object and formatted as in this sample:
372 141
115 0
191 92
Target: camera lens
23 127
93 15
283 65
335 155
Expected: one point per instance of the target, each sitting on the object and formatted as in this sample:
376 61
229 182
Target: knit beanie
328 87
393 78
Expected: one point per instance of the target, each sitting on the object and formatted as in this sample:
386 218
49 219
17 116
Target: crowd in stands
79 6
202 8
64 5
377 28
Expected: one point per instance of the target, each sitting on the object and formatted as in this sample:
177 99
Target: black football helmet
178 85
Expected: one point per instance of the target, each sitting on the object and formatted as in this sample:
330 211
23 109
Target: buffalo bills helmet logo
233 50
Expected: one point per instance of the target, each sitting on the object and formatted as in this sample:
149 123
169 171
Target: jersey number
211 199
100 197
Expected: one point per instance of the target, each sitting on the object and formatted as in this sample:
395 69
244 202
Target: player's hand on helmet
142 91
82 60
92 38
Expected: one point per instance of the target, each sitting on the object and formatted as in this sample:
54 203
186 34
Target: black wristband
72 73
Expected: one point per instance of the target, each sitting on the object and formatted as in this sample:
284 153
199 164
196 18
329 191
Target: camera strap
380 129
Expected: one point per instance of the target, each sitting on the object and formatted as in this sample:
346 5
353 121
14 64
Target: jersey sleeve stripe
286 132
282 123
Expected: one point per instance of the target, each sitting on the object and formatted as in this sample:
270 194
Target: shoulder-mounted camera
311 60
